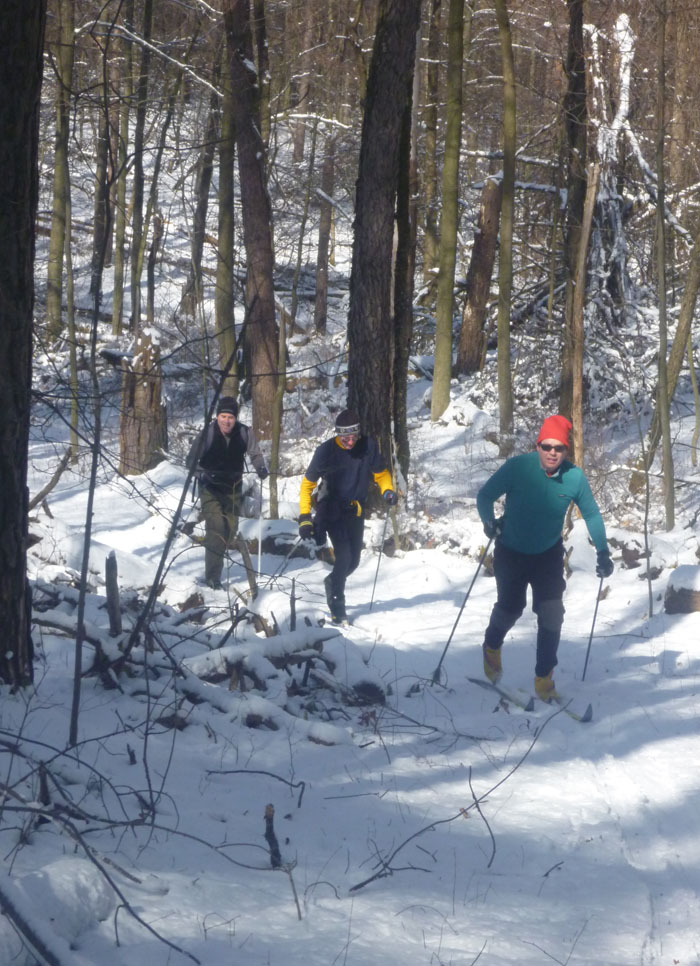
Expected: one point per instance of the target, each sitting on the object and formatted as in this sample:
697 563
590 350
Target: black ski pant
544 572
346 532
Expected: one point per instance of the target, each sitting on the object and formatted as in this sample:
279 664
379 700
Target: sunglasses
548 447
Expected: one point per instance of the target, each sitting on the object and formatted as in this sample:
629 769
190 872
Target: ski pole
590 639
436 672
379 560
260 516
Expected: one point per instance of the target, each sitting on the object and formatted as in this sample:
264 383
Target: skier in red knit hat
538 488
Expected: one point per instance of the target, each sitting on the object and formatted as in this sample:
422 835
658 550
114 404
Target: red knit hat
555 427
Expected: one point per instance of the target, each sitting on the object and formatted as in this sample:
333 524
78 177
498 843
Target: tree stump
683 591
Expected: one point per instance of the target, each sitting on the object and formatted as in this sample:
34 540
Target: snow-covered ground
439 828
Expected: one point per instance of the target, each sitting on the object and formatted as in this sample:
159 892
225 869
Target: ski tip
530 706
587 714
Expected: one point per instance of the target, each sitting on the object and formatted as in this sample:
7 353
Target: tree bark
261 334
575 127
431 235
224 297
505 259
61 175
192 292
324 235
121 173
664 400
370 330
470 349
449 218
22 29
406 235
577 330
138 175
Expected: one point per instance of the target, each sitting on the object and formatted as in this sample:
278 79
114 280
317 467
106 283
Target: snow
439 827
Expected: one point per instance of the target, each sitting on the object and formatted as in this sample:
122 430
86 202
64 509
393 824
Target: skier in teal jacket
538 488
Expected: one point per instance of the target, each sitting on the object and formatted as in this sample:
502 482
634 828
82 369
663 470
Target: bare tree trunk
305 87
263 54
431 243
192 292
449 218
577 331
370 330
505 259
261 335
121 173
664 399
575 125
101 216
406 235
611 242
142 428
22 30
61 174
324 235
137 219
224 297
470 349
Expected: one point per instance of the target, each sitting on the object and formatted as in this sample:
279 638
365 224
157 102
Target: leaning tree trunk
261 335
470 349
22 30
370 389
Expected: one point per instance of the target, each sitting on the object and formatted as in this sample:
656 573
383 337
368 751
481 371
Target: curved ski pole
379 560
436 673
590 639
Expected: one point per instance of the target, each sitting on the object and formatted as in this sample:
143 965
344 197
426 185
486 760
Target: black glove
604 565
390 497
306 527
263 473
493 528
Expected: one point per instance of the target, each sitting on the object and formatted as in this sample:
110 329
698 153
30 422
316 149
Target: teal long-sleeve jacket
536 503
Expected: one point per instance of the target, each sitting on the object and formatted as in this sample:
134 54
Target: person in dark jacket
538 487
346 465
218 455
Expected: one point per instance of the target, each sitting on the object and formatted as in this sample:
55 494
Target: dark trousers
345 532
220 511
544 572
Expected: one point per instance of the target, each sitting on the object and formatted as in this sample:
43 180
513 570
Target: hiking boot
544 687
214 584
492 663
337 609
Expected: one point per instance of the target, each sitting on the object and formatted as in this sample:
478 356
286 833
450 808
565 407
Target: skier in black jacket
219 454
347 463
